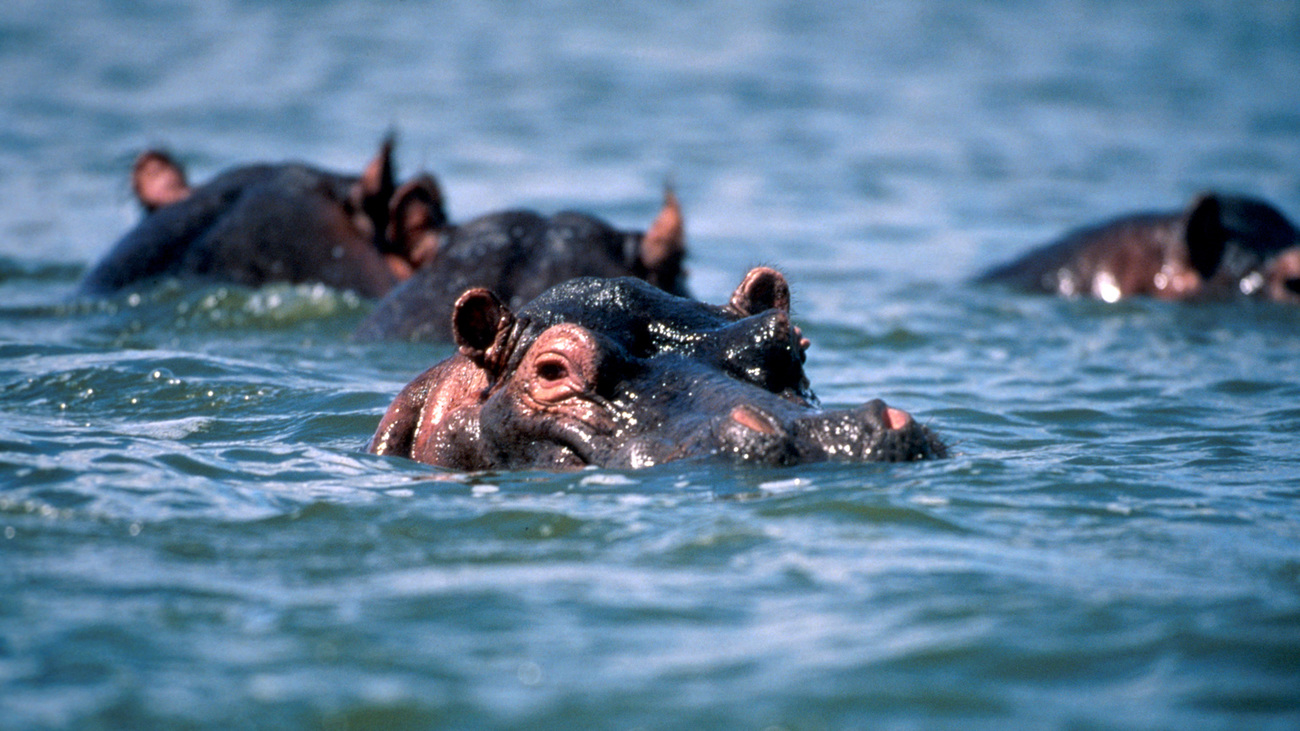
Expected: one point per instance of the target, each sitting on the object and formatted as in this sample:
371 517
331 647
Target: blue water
191 537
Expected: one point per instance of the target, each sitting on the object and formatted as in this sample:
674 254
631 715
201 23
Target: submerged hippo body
259 224
518 255
616 373
1220 246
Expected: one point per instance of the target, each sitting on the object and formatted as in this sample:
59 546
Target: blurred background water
191 537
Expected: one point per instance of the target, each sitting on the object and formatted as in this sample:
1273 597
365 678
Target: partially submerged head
402 221
1219 246
616 373
518 255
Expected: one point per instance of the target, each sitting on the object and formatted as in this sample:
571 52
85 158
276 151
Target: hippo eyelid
557 377
552 368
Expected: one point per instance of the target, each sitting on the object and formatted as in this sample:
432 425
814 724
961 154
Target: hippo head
1236 243
371 207
617 373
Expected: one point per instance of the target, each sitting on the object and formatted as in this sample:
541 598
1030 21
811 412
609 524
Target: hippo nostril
754 420
897 419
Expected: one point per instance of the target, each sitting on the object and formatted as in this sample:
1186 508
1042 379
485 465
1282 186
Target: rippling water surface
191 536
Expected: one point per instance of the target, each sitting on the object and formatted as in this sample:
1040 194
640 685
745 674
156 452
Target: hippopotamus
264 223
517 255
617 373
1219 246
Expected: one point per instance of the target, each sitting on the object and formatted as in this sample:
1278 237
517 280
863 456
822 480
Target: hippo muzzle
872 432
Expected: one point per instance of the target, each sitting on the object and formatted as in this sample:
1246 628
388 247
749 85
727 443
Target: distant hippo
518 255
269 223
616 373
1220 246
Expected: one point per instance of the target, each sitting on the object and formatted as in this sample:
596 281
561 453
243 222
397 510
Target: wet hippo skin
518 255
617 373
266 223
1219 246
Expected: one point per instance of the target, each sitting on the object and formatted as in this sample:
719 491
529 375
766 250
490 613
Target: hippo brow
523 332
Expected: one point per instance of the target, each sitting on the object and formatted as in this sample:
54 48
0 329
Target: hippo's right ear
1253 225
662 249
1205 234
762 289
158 180
415 217
481 324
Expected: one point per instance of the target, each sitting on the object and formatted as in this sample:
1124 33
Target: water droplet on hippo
1106 287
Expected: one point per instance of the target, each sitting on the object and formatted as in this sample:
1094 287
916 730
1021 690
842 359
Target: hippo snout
873 432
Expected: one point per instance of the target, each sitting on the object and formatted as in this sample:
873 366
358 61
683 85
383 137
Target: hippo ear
664 245
373 190
481 324
1254 225
415 217
158 180
762 289
1205 235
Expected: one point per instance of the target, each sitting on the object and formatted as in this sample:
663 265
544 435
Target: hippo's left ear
1205 235
158 180
481 324
762 289
662 249
374 189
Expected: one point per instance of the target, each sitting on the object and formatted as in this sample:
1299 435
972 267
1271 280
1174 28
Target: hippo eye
564 362
552 370
555 379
